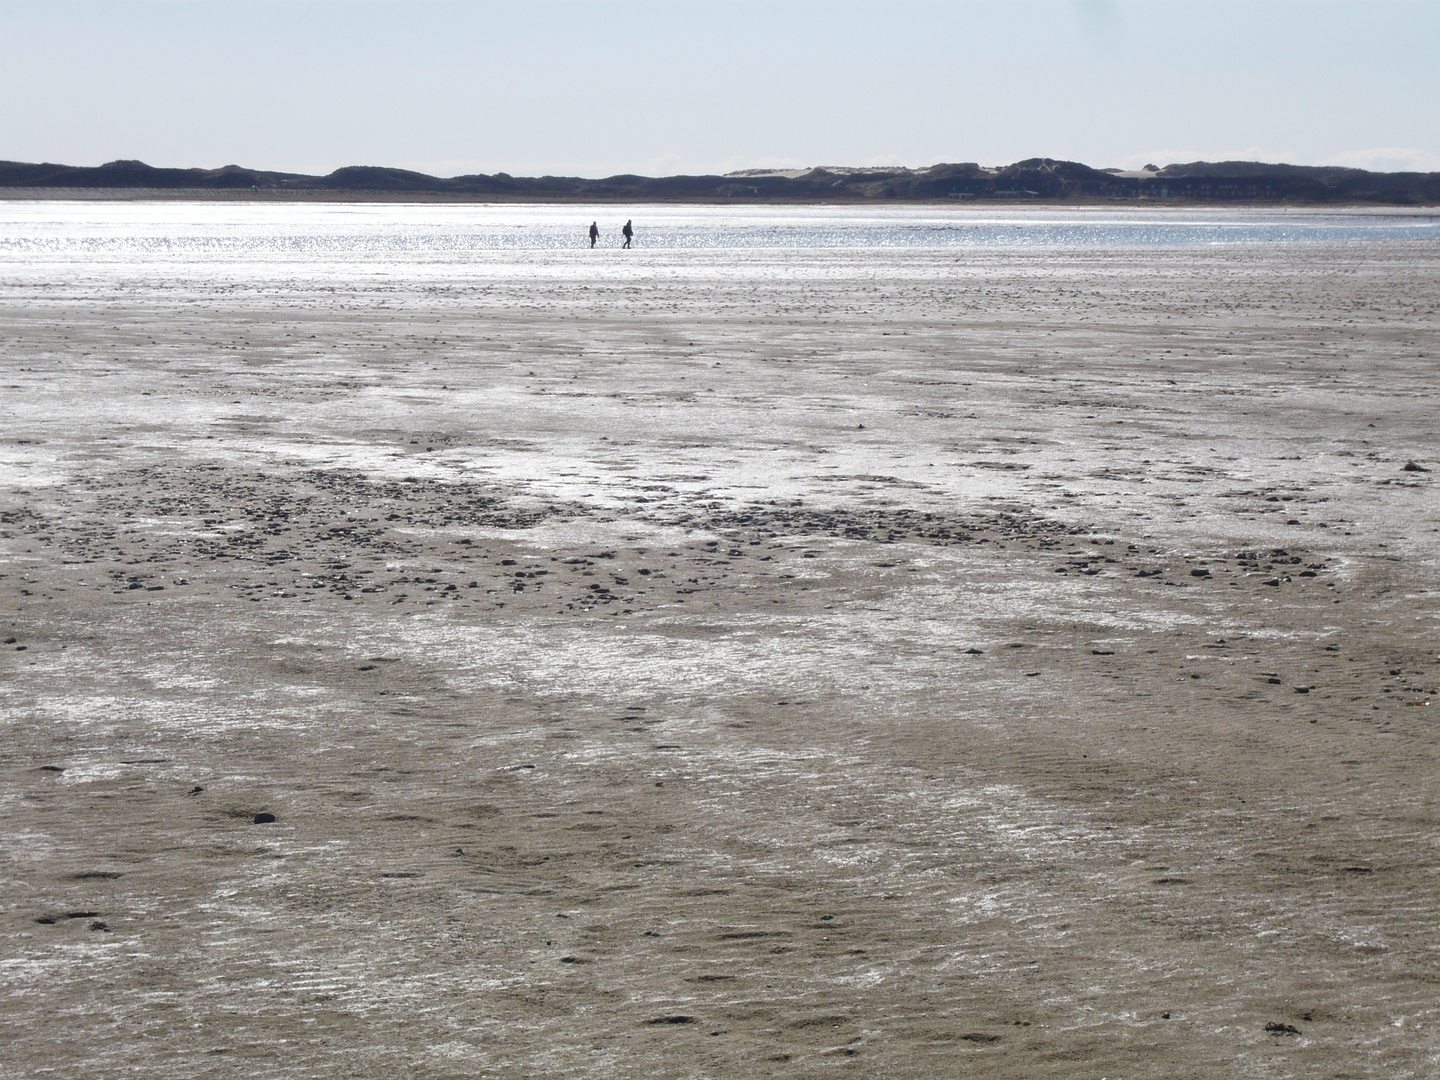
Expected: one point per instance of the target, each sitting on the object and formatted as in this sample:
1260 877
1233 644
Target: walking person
628 233
594 233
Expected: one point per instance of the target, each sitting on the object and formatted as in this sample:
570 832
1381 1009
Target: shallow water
248 230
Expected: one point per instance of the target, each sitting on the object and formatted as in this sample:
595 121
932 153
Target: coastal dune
1012 662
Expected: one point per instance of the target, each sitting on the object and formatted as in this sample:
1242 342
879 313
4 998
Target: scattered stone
974 652
1410 466
264 819
98 925
45 920
679 1019
195 790
979 1037
1200 572
52 768
1282 1029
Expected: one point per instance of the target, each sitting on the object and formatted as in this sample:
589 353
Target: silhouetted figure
594 233
628 233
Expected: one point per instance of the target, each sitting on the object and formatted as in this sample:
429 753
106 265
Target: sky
599 87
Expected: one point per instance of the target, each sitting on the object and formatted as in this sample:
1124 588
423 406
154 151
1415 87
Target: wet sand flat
787 663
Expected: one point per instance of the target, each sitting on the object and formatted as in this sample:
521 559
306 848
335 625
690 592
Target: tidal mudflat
908 662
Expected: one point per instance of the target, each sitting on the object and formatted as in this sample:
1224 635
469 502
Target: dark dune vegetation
1034 178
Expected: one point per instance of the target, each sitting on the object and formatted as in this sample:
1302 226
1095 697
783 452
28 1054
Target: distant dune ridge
1033 178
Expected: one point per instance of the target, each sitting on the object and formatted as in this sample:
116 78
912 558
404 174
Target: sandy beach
904 663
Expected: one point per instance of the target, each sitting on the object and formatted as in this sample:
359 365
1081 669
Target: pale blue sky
594 87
